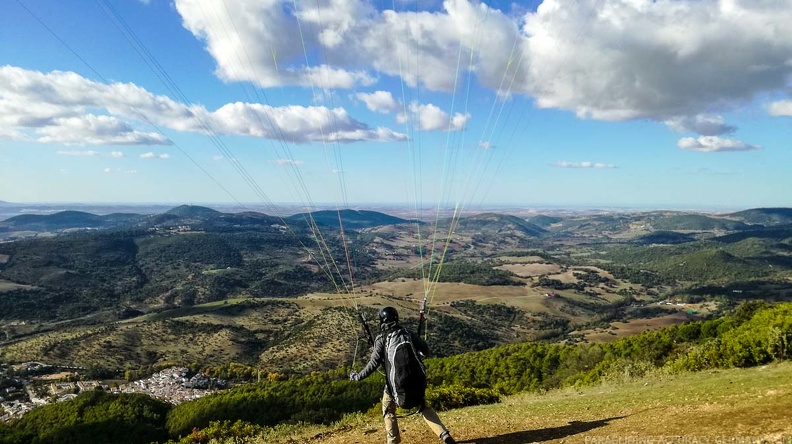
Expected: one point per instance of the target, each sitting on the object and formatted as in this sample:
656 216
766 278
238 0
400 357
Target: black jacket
378 354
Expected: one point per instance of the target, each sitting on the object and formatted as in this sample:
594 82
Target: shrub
456 396
222 430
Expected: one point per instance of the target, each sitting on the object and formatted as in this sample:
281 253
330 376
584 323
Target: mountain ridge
765 216
351 219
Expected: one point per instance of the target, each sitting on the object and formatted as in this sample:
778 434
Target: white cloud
11 134
55 106
625 59
379 101
431 118
218 158
284 162
597 166
154 156
713 144
89 153
781 108
680 62
486 145
119 170
117 154
604 59
297 124
420 47
95 130
266 36
670 61
701 124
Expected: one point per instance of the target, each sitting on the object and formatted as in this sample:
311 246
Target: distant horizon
403 206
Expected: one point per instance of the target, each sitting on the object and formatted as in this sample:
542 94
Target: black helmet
388 314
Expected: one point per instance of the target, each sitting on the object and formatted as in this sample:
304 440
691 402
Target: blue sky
664 104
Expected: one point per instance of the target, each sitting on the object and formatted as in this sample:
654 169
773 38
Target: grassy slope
737 402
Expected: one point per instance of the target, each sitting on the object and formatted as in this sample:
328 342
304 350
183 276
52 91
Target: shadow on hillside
529 436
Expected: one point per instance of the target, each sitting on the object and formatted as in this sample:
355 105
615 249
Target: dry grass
56 376
10 286
329 335
534 269
693 407
635 326
598 270
520 259
567 277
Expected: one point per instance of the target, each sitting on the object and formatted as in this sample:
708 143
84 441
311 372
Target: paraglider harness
411 362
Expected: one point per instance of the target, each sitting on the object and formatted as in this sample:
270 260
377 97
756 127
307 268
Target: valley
195 286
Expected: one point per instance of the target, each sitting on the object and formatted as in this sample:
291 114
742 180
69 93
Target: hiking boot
447 439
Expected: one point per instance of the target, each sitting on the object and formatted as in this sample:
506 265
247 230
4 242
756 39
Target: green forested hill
722 259
93 417
543 220
697 222
67 219
595 225
765 216
192 211
494 224
664 237
83 273
352 219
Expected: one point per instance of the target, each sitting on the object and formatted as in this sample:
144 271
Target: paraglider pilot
400 353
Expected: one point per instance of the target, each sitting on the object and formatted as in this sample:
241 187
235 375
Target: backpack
406 375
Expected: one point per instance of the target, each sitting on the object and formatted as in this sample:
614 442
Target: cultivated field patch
623 329
521 259
10 286
532 269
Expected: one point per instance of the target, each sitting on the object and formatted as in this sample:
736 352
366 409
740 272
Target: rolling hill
67 219
664 237
188 211
351 219
765 216
193 256
494 224
697 222
83 273
544 221
595 226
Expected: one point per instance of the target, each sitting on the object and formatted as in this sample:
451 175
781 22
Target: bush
9 435
758 335
456 396
625 370
222 430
